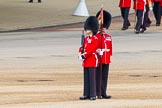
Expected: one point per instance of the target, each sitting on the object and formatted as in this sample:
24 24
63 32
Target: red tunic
125 3
106 44
138 5
90 54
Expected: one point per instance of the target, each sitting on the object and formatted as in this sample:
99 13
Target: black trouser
101 79
89 81
146 18
161 10
139 14
157 12
125 14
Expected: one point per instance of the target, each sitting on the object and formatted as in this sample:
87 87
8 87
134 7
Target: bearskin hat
91 24
106 18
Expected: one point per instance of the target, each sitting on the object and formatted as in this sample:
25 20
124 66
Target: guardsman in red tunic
157 11
105 53
146 19
139 8
89 58
124 8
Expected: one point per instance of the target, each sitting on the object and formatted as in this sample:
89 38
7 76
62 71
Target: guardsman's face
89 32
103 30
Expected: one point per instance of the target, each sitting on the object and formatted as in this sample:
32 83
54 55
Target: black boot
106 97
30 1
84 97
137 31
93 98
143 30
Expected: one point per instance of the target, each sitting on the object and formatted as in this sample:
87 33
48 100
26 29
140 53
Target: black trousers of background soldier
125 13
161 10
139 14
157 12
146 19
31 1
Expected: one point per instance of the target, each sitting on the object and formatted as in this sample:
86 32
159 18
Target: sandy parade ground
19 14
39 68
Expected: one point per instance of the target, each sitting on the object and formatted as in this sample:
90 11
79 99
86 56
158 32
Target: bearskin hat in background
106 18
91 24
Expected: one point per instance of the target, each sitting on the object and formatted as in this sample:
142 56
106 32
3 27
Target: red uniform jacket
125 3
106 44
90 54
161 4
138 5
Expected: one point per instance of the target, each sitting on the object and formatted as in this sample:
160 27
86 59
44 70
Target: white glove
151 9
100 52
80 58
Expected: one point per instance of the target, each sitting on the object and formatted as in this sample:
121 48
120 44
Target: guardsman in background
124 8
31 1
105 53
139 9
89 58
157 11
146 19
